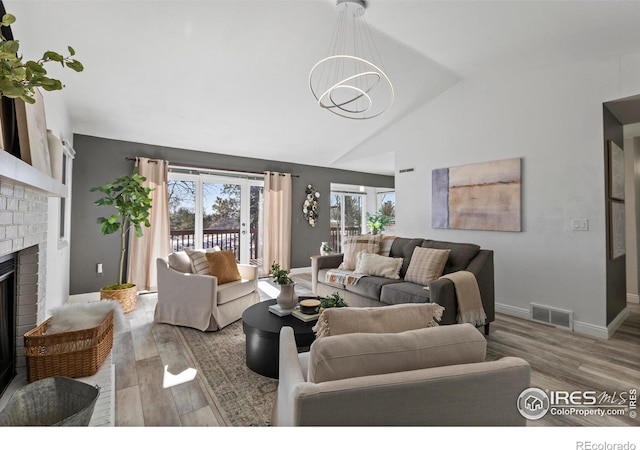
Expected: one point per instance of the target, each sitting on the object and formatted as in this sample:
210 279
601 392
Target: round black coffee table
262 330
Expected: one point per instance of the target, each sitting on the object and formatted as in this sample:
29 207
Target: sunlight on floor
170 380
268 289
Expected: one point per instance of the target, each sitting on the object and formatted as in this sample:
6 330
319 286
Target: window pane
256 219
335 221
387 201
182 213
221 216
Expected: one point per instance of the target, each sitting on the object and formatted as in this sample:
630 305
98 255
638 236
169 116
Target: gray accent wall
616 268
99 161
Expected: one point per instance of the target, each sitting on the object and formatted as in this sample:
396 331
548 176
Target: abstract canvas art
483 196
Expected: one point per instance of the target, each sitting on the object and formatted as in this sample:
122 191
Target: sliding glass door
214 210
347 217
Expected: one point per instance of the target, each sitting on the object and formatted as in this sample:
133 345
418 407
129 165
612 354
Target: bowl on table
309 306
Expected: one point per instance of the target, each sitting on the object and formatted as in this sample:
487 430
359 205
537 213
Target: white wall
552 119
58 254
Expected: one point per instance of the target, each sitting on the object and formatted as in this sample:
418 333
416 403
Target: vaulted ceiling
231 76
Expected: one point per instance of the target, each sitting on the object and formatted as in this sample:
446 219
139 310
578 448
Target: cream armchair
198 301
431 376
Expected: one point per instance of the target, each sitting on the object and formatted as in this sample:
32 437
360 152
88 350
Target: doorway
208 210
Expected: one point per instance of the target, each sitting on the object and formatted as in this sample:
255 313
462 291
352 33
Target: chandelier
351 81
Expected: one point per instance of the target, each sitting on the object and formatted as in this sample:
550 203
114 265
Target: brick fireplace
23 233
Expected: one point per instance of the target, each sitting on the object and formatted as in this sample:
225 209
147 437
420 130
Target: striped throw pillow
199 263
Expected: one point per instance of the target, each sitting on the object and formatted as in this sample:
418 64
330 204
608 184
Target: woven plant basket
71 354
127 297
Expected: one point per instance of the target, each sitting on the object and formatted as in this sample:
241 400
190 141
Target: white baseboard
615 323
514 311
633 298
300 270
590 329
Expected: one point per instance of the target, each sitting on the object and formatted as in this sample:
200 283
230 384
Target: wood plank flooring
150 354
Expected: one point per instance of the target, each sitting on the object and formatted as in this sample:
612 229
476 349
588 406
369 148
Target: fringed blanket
345 277
470 308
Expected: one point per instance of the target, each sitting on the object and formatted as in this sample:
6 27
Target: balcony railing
335 235
228 240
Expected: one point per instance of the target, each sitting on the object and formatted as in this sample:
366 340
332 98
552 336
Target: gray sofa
379 291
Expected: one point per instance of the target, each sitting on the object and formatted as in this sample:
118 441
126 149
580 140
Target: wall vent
406 170
552 316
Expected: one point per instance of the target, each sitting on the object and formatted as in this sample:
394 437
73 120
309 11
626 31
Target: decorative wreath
310 206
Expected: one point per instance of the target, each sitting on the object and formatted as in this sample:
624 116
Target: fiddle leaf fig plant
132 202
19 78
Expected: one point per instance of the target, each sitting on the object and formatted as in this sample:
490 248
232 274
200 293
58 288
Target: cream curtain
277 220
154 243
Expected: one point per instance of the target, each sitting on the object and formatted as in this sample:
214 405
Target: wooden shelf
20 172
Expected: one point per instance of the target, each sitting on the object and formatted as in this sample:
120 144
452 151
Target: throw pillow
385 245
198 259
362 354
354 244
427 265
379 266
180 261
386 319
83 316
223 266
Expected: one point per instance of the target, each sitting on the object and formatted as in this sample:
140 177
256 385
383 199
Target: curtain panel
277 226
154 243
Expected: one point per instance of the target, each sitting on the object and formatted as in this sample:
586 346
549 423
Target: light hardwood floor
560 360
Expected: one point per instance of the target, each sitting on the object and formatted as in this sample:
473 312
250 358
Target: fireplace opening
7 320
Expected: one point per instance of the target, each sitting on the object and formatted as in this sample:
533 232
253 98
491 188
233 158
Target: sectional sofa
381 291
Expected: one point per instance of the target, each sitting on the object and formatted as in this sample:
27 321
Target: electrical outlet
99 268
580 224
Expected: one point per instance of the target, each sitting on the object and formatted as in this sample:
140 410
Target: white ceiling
230 76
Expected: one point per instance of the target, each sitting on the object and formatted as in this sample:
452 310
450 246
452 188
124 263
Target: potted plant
19 78
325 249
332 301
132 203
378 221
287 299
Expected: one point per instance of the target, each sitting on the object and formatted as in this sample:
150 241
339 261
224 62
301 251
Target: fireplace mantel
22 173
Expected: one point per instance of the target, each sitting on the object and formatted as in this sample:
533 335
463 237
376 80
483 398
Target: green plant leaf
71 50
11 47
75 65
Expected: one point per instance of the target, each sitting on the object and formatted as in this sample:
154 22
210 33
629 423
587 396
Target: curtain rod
212 168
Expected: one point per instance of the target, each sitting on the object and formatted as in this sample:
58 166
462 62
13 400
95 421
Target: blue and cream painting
484 196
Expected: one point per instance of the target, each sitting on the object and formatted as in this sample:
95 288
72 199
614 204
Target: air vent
406 170
552 316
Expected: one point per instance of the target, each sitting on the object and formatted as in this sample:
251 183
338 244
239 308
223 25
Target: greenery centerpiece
287 299
19 78
332 301
132 203
378 221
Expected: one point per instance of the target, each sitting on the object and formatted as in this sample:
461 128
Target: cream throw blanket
470 308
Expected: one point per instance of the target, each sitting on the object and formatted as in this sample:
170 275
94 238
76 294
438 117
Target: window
65 213
208 210
347 217
387 202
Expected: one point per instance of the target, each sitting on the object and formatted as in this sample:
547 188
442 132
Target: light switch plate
580 224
